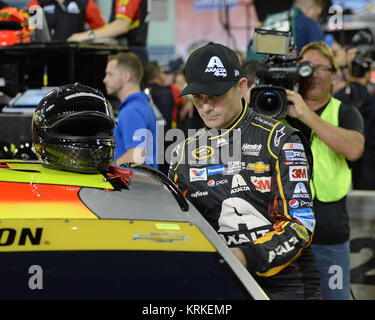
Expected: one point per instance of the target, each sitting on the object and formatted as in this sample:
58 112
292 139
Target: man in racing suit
249 176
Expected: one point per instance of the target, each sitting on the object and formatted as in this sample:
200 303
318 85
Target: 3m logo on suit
298 173
262 184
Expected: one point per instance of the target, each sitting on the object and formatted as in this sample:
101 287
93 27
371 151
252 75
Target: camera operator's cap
212 69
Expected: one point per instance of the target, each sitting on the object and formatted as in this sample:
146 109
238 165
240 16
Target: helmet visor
81 127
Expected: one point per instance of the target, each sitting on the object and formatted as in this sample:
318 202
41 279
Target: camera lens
305 69
269 101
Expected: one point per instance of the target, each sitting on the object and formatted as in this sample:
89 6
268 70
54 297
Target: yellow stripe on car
45 210
36 173
64 234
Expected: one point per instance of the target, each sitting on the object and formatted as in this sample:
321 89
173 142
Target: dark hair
153 69
249 70
360 65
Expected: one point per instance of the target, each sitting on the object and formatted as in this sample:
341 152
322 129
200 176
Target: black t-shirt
354 93
62 21
368 114
357 94
164 100
332 219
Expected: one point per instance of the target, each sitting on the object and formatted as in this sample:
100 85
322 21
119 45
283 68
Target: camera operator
355 93
335 131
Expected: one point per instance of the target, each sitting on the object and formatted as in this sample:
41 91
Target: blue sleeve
307 30
128 124
315 32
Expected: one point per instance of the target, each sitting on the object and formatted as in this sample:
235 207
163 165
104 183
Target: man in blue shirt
135 132
306 27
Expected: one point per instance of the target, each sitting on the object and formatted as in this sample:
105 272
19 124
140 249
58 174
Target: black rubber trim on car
168 183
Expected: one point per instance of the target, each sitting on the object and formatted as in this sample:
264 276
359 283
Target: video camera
360 64
281 71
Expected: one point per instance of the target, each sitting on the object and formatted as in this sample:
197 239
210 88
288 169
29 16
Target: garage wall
361 208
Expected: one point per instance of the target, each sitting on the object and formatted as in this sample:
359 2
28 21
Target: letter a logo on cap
215 62
216 67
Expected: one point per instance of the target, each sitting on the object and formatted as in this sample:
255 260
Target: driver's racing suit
251 183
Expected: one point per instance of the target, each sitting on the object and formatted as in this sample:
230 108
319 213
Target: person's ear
126 76
242 86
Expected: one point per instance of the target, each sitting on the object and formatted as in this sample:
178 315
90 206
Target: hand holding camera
281 71
297 108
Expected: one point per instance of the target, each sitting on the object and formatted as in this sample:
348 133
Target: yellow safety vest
332 176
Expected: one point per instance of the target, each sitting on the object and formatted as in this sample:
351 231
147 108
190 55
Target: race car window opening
159 176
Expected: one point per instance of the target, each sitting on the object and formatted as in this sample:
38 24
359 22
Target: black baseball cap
212 69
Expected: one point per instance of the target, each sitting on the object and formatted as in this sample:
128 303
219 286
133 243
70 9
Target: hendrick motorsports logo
251 149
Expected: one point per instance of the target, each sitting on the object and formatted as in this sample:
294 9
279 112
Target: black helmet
72 129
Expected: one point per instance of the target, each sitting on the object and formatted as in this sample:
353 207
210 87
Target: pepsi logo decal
294 203
211 183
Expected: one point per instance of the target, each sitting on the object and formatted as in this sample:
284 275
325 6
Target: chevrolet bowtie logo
160 237
258 167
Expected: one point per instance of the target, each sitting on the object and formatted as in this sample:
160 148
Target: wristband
91 34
